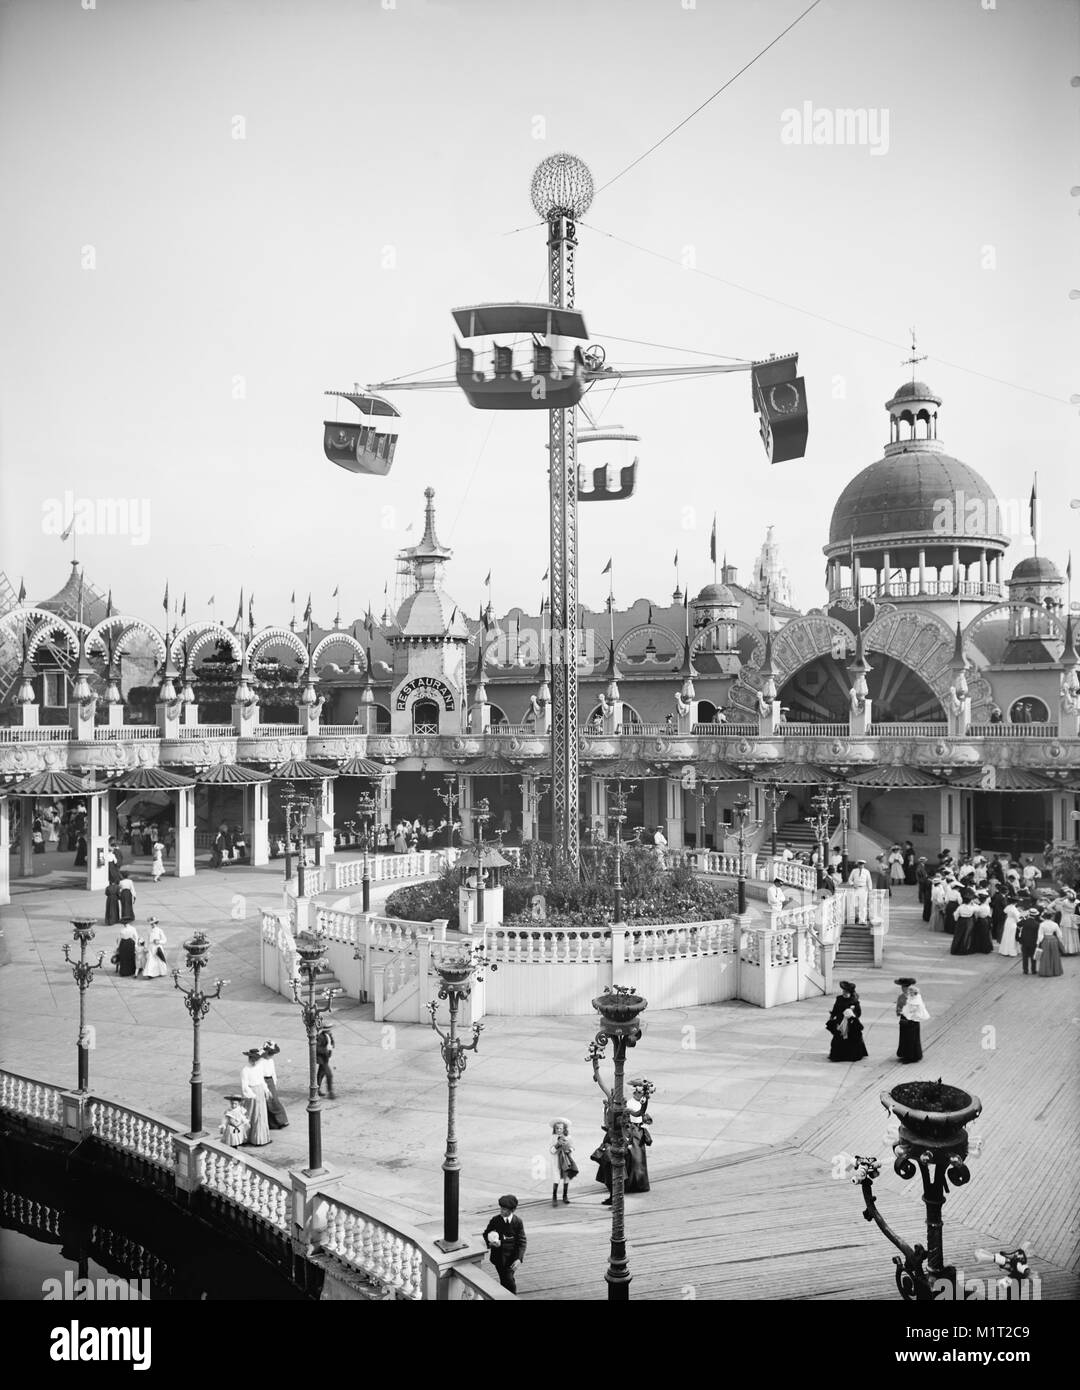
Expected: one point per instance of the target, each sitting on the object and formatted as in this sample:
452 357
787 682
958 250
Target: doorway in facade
1012 823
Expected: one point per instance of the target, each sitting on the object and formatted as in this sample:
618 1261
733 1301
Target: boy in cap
504 1235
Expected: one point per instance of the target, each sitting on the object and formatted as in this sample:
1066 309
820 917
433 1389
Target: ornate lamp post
619 1009
309 947
449 799
288 797
933 1142
844 862
366 809
297 809
617 813
83 928
197 951
826 803
481 815
774 797
456 975
742 817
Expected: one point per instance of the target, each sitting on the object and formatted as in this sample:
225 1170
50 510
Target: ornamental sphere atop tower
562 186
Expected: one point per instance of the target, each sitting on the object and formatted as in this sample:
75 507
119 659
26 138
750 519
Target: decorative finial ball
561 187
429 493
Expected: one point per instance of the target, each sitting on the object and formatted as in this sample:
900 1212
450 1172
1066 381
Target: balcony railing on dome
931 588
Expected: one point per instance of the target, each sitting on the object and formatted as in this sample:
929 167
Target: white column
5 850
886 568
675 832
325 826
922 571
185 833
97 840
259 843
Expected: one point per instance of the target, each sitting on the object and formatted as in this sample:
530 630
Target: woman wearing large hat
253 1089
845 1027
912 1014
275 1111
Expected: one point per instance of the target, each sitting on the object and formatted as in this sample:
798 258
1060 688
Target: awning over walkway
151 779
364 767
231 775
54 783
301 770
893 776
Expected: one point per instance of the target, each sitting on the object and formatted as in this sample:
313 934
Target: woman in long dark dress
912 1014
126 890
276 1116
952 902
112 904
637 1159
80 851
982 941
125 950
845 1026
963 925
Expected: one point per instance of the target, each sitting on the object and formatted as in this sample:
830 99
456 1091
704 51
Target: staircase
855 949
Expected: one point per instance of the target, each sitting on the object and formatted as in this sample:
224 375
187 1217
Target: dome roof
431 613
716 596
915 391
903 495
1035 568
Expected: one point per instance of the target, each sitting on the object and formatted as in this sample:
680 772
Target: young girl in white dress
158 867
234 1127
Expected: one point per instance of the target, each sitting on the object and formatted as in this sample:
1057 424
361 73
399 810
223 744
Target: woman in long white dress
1009 946
158 869
156 941
896 865
253 1089
1070 925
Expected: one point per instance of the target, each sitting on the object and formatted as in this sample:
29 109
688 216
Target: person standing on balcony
860 880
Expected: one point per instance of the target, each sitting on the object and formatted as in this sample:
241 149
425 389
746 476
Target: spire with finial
914 360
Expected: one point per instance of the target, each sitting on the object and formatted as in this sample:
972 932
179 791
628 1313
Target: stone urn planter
933 1116
619 1009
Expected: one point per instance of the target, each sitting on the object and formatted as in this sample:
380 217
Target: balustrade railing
280 731
130 1132
40 733
339 731
681 941
375 1250
909 730
1012 730
527 730
245 1186
33 1100
541 945
189 732
124 733
796 729
389 867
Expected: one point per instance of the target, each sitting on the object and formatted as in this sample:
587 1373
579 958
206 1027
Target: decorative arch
1002 612
745 634
642 633
338 639
803 640
279 637
128 627
204 633
52 623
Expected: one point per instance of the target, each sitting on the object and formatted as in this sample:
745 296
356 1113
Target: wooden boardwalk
785 1222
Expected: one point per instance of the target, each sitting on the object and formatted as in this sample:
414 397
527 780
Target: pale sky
175 299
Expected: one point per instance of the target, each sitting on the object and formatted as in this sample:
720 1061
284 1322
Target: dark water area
65 1217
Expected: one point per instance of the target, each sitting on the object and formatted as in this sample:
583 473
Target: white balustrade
804 730
191 732
376 1250
1012 730
280 731
238 1182
384 868
542 945
126 1130
19 1095
339 926
42 733
339 731
124 733
904 730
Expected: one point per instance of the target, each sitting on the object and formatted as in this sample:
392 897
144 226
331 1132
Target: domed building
917 526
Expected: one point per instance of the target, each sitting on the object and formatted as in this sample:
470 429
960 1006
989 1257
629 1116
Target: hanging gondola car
780 400
365 447
615 478
529 374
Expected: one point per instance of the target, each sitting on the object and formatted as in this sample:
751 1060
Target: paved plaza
749 1196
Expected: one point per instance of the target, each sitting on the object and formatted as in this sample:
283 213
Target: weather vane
914 358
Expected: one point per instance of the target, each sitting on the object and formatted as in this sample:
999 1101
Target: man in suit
1028 934
324 1050
504 1235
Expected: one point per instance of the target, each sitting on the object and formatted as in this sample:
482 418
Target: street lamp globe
562 186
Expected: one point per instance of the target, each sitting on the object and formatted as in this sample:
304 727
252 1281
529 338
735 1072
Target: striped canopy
151 779
53 783
893 776
364 767
301 770
230 775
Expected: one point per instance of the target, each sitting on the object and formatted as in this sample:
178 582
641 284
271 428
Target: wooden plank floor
786 1222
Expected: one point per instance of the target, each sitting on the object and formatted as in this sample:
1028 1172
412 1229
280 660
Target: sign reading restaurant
425 685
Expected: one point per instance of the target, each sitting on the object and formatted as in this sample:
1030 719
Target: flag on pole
251 611
240 610
165 601
108 605
488 579
607 568
210 601
22 590
712 541
1068 568
676 559
293 599
68 531
335 593
307 610
183 606
1033 505
543 577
